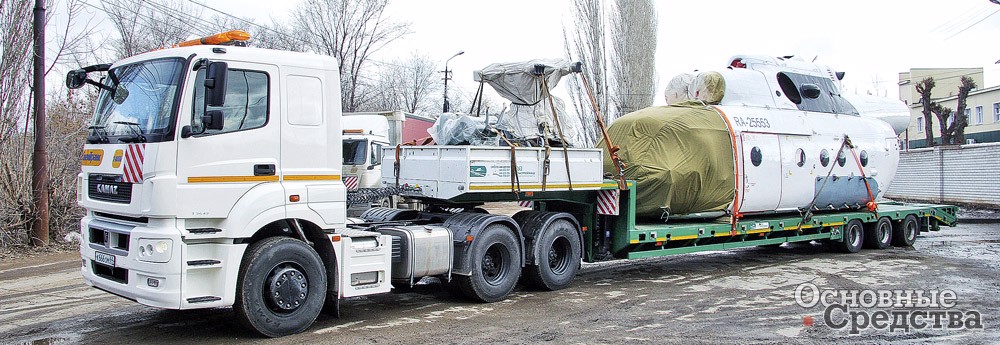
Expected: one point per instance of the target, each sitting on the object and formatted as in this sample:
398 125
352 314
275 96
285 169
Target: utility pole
447 75
39 171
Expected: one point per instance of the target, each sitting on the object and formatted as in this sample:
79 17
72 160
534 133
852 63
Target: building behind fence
966 174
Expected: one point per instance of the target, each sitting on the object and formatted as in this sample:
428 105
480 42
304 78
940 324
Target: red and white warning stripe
134 158
526 203
351 182
607 202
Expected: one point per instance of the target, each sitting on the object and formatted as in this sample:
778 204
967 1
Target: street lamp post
447 75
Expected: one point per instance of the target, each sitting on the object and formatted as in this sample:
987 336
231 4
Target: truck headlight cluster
155 249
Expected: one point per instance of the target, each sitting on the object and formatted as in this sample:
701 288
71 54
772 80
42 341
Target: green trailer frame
625 238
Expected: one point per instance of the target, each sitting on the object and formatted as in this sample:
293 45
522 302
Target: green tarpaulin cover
681 157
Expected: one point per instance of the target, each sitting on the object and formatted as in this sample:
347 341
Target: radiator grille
110 188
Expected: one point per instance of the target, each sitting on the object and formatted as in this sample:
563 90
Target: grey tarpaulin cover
530 115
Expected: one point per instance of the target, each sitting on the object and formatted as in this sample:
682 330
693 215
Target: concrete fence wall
967 174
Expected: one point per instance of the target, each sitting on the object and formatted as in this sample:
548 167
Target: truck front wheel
496 265
558 248
281 287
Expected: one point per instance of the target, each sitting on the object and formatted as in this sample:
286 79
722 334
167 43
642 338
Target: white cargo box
444 172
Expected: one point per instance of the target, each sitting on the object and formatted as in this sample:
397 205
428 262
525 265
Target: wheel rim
910 231
286 288
559 254
884 229
494 264
855 233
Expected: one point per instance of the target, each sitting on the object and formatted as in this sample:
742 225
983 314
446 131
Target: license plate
104 259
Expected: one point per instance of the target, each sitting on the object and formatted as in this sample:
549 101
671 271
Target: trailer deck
627 237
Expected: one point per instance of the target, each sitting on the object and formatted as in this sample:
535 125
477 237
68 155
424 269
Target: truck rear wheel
879 234
496 265
558 260
853 233
281 287
905 233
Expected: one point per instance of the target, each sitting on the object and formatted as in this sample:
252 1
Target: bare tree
958 131
952 123
587 45
67 44
943 114
351 31
924 88
407 84
620 66
15 66
633 32
146 25
277 36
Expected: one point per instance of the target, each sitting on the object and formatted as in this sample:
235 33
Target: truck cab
364 138
194 151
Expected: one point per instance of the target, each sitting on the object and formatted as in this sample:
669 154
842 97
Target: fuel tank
766 135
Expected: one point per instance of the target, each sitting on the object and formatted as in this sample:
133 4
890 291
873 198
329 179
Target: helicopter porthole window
755 156
824 157
841 159
864 158
801 155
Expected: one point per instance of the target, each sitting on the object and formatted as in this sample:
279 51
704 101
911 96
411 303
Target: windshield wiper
137 133
98 135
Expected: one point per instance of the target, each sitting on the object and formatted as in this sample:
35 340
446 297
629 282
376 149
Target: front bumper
189 276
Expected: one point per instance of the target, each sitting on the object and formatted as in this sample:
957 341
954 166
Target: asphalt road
740 296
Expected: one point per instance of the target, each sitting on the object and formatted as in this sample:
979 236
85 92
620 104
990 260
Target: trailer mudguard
533 222
464 224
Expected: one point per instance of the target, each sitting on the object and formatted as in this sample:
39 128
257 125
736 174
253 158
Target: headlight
155 249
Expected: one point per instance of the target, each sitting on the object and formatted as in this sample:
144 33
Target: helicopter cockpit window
800 87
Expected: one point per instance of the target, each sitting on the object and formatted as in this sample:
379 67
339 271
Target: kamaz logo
107 189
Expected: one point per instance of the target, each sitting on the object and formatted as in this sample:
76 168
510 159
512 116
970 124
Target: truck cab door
216 169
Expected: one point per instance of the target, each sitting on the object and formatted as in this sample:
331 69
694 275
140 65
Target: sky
872 41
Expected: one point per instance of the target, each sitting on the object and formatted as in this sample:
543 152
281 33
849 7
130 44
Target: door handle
263 170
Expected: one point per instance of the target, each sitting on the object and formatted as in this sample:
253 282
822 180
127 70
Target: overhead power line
973 24
262 27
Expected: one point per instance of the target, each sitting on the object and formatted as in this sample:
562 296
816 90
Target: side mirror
213 119
76 78
810 91
371 167
215 84
120 94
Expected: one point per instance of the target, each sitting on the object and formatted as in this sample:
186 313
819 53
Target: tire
280 266
853 237
905 232
384 202
559 259
879 234
496 265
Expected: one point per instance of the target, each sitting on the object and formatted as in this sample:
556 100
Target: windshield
355 151
142 102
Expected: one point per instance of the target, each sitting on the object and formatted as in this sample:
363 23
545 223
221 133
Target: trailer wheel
853 234
496 265
879 234
558 259
905 232
281 287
